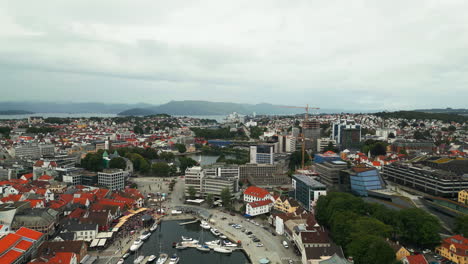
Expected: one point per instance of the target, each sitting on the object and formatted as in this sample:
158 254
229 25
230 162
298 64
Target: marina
191 250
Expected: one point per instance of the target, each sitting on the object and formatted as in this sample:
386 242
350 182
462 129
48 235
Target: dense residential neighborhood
74 187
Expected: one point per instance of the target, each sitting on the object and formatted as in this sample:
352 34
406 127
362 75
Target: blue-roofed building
363 179
327 156
307 190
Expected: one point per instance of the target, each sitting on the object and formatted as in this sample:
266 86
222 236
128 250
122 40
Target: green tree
340 226
418 227
93 162
138 130
181 148
418 135
452 128
226 198
191 192
370 226
330 147
295 160
118 163
369 249
403 151
391 135
210 200
186 162
167 156
461 225
379 148
160 169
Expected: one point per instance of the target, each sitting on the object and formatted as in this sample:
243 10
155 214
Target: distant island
15 112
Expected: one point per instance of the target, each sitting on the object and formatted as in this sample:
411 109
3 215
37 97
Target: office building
322 143
311 133
286 144
363 179
262 154
413 145
434 181
329 172
347 134
306 190
29 150
113 179
212 180
265 175
295 131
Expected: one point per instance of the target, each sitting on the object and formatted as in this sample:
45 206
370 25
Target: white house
254 193
258 207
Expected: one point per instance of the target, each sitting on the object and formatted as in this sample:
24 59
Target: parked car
285 244
273 233
259 245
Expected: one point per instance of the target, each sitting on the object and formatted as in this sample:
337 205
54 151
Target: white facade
253 210
251 198
112 179
279 225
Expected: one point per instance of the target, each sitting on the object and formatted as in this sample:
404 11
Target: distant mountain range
15 112
189 107
216 108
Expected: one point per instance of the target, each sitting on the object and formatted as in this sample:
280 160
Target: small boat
162 258
223 236
230 244
145 235
186 238
151 258
214 242
205 225
126 255
121 261
154 226
136 245
174 259
189 242
203 248
215 231
139 259
222 250
180 246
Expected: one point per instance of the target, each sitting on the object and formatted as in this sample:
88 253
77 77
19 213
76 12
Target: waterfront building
306 190
258 207
211 180
113 179
254 193
254 171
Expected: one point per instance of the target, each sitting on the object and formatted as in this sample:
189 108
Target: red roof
260 203
416 259
45 178
460 243
24 245
28 176
34 202
8 241
10 257
376 163
29 233
77 213
256 192
39 163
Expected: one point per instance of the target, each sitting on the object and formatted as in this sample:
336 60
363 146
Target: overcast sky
354 54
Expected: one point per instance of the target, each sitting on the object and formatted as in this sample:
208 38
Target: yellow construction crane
302 134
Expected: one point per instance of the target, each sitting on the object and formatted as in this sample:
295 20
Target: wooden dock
190 222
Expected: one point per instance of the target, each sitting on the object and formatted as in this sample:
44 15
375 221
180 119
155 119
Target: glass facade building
307 190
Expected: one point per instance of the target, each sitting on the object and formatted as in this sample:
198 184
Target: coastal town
308 188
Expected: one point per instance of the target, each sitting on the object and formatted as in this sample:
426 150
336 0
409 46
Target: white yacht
215 231
186 238
151 258
230 244
222 250
121 261
162 258
136 245
205 225
145 235
174 259
139 259
154 226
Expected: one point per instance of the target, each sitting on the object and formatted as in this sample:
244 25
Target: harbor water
170 231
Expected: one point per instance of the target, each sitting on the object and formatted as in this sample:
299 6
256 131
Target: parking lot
272 245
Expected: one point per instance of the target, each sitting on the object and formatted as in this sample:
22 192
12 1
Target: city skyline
360 55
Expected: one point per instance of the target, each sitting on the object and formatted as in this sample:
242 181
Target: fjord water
170 231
